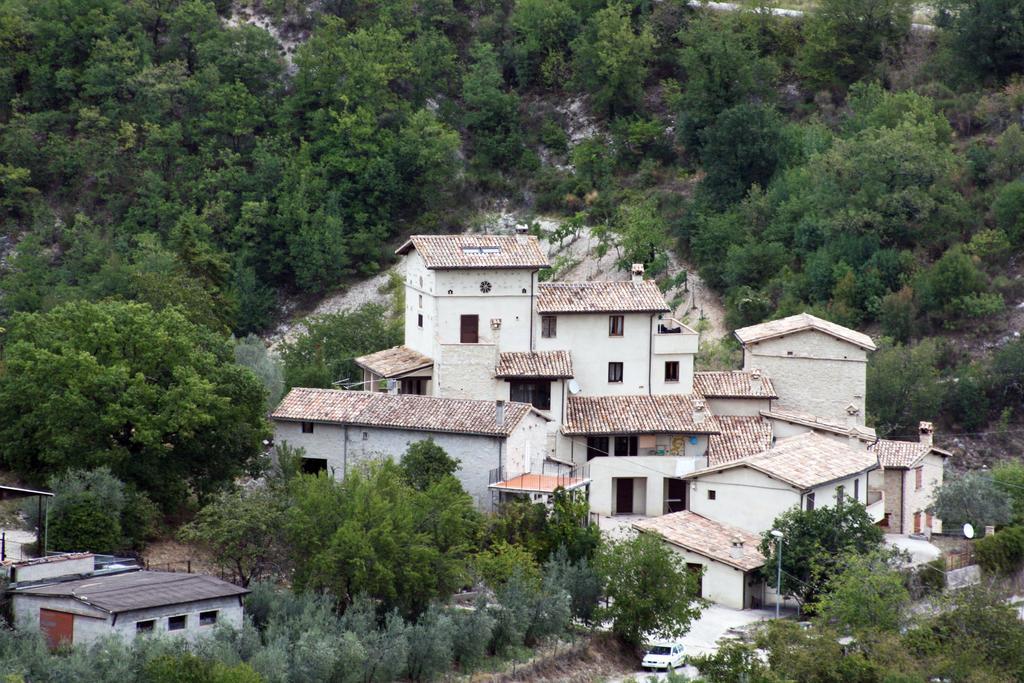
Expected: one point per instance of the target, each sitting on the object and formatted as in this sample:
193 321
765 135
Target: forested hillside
170 153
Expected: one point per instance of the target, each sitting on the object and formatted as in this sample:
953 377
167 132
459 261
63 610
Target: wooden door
624 496
469 329
917 522
57 627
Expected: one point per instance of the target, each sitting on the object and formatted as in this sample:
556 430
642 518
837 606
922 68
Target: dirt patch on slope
599 657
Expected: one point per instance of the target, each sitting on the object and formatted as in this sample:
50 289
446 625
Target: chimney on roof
736 551
755 381
522 232
499 413
699 412
637 272
925 433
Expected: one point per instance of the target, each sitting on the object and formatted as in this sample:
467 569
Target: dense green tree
491 113
324 354
424 464
866 592
154 397
954 288
723 69
847 39
813 541
611 56
741 148
974 498
987 37
241 531
543 30
903 387
649 588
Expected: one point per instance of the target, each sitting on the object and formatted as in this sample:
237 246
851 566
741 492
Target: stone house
911 472
72 602
339 429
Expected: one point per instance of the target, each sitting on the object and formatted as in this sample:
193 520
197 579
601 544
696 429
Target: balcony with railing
551 477
876 505
672 337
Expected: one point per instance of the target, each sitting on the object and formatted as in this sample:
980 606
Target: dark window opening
548 326
616 325
856 489
208 618
675 495
672 371
146 626
419 320
469 329
597 446
413 385
535 392
625 445
314 465
810 501
307 427
711 494
615 372
176 623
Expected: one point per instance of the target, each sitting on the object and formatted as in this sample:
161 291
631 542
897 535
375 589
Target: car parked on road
663 656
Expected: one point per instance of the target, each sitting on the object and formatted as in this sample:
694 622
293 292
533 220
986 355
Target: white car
663 656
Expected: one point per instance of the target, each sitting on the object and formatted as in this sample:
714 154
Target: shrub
1002 552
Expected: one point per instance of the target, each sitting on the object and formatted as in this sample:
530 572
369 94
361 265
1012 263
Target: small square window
711 494
548 326
419 320
176 623
616 325
366 435
146 626
307 427
208 618
672 371
615 372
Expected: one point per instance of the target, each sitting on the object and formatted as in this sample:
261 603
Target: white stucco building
72 603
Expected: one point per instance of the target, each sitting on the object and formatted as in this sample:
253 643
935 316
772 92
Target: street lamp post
778 582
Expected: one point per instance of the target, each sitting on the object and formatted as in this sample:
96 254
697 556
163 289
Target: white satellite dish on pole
968 531
574 387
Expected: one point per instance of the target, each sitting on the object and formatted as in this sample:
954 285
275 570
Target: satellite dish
574 387
968 531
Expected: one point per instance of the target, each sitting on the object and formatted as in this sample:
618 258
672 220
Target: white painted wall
92 624
506 301
721 583
813 372
917 500
653 469
750 407
744 498
420 284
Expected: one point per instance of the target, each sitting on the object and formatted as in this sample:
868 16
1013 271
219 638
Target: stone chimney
925 432
755 382
699 411
736 551
637 272
499 413
522 232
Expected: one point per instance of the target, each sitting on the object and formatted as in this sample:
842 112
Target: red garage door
57 627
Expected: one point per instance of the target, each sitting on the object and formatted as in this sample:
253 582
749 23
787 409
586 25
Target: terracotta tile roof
635 414
447 252
419 413
554 364
799 323
903 454
395 361
705 537
733 384
598 297
741 436
864 433
805 461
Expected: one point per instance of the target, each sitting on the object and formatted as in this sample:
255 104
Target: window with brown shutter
616 325
918 478
671 371
469 329
548 326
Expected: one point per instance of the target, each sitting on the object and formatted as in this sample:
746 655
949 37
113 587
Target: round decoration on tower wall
485 286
